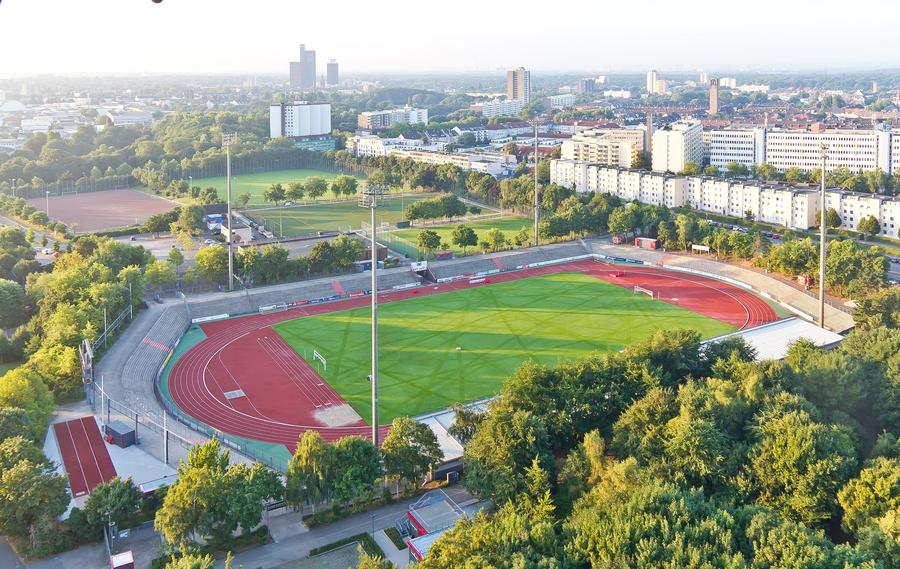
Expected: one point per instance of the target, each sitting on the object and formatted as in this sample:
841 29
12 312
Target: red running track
84 455
282 393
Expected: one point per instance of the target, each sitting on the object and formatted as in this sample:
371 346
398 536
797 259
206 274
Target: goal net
647 291
321 359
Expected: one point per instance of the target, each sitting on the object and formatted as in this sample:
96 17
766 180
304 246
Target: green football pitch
257 183
339 216
510 226
551 318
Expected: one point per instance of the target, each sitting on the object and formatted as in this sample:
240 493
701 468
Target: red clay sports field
283 396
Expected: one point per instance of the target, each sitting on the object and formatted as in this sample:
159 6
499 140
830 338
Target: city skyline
226 36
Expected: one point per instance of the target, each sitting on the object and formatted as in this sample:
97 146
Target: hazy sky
235 36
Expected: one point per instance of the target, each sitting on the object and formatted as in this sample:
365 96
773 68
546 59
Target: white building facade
677 144
793 207
498 108
299 119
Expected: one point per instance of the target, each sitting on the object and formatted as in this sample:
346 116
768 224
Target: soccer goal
647 291
321 359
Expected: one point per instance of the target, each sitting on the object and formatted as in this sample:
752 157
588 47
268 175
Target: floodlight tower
823 234
369 197
537 203
227 140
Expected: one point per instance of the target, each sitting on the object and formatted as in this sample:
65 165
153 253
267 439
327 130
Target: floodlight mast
371 193
823 234
227 140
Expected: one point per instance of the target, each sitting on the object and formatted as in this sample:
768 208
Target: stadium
258 371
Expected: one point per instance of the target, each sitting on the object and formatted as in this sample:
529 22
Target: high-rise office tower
651 81
331 73
307 68
295 74
713 96
518 85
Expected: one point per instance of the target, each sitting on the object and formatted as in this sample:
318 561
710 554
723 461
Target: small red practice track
273 394
84 454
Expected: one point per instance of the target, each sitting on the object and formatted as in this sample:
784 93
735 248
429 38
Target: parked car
210 242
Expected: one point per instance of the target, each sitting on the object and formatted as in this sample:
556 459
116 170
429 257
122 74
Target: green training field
257 183
301 220
508 225
498 326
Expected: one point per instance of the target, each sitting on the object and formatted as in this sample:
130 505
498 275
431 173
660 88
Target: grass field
508 225
310 218
257 183
497 327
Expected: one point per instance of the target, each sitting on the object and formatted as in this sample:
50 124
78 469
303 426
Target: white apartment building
371 145
615 146
676 144
561 101
495 164
617 94
375 120
895 152
855 150
796 207
498 108
299 119
652 79
743 146
728 82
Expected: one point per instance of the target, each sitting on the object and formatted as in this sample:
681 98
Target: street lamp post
47 201
369 198
227 139
822 237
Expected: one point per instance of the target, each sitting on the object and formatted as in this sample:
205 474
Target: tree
869 226
874 493
191 220
428 240
832 218
274 194
766 171
212 263
176 257
795 175
22 388
161 273
315 187
295 191
495 239
190 561
736 170
12 304
410 449
13 422
358 465
464 236
368 562
798 464
114 501
244 198
622 220
711 170
690 169
28 493
503 446
158 223
344 185
14 450
309 472
465 423
58 367
878 308
212 499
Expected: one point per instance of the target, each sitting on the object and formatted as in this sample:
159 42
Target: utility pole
537 203
47 197
824 233
227 139
369 199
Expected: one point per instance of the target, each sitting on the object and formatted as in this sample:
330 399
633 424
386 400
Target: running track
281 392
84 455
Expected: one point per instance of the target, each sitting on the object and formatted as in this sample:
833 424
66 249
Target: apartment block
677 144
795 207
498 108
744 146
377 120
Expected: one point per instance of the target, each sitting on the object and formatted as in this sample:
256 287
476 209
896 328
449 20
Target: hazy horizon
231 37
